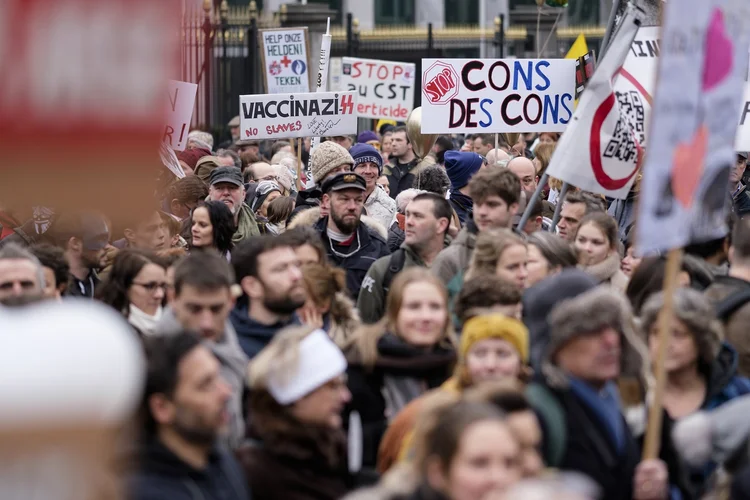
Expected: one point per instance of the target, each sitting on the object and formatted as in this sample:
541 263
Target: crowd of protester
390 331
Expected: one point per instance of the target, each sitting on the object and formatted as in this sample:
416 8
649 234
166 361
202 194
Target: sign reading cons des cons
497 95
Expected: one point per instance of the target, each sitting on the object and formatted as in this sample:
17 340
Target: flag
696 111
579 48
598 151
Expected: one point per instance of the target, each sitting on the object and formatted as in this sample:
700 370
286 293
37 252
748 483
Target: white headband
320 360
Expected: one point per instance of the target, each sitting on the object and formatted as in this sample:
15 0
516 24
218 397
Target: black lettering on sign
745 111
173 101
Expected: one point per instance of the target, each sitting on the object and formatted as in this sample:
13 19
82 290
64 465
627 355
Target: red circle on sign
595 149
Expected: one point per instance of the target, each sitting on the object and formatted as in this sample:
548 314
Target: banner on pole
179 114
285 60
497 95
599 151
695 117
315 114
385 89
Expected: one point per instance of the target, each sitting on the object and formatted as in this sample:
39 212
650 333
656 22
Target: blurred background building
221 49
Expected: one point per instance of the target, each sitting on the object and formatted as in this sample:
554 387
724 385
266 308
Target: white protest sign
385 89
285 60
696 112
742 142
497 95
179 114
334 74
598 152
318 114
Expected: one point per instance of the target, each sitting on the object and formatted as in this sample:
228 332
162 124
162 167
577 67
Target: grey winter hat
589 313
262 190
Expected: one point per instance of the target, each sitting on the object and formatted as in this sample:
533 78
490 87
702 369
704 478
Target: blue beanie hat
461 166
362 153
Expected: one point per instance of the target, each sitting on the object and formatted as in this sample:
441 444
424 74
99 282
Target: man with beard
350 245
84 238
226 185
21 276
428 217
267 269
185 410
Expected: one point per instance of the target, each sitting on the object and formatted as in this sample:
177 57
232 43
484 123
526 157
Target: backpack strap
731 303
395 265
553 421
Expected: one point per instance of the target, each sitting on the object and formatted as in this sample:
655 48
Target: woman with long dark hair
212 226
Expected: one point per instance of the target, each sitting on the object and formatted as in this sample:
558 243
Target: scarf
145 323
247 226
604 270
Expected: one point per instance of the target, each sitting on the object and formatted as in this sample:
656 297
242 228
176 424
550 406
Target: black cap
233 175
345 180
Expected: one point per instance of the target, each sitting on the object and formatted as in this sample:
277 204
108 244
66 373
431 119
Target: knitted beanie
495 326
461 166
363 153
367 136
262 191
326 157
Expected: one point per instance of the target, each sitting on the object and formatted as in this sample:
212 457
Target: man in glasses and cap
350 245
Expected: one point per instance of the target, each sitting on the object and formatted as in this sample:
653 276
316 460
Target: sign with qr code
697 99
599 151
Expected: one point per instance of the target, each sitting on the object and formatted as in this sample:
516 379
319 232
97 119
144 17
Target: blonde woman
298 392
396 360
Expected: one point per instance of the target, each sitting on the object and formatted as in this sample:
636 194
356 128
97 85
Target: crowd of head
383 320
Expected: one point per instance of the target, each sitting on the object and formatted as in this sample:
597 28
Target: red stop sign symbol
441 83
595 149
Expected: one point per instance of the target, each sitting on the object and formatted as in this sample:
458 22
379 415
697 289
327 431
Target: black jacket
371 247
253 336
400 175
396 360
162 475
463 206
306 199
83 288
741 202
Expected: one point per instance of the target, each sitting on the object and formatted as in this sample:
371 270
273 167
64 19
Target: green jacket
247 226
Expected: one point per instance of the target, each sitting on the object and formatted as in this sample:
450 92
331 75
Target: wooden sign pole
666 317
299 164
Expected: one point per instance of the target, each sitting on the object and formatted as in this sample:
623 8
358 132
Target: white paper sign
169 160
179 114
315 114
497 95
385 89
696 112
742 143
598 151
285 60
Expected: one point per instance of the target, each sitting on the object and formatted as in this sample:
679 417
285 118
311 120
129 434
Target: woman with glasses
136 288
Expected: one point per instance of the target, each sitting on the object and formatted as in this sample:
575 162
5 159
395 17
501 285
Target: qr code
630 127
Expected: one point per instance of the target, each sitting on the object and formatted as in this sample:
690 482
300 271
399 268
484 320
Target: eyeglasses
151 286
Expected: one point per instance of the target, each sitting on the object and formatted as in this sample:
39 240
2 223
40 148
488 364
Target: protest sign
742 142
497 95
697 103
385 89
314 114
83 104
284 52
598 151
179 114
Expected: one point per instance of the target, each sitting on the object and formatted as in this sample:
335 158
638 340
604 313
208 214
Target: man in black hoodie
267 269
185 409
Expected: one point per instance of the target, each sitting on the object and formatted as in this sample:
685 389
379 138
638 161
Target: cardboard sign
179 114
384 89
742 142
694 122
316 114
285 60
497 95
598 151
87 96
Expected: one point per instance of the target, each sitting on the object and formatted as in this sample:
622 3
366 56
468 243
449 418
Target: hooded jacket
400 176
251 335
309 198
233 370
162 474
401 374
456 257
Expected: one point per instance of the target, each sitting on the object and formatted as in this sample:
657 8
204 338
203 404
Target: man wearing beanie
495 194
461 167
327 160
369 164
592 344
